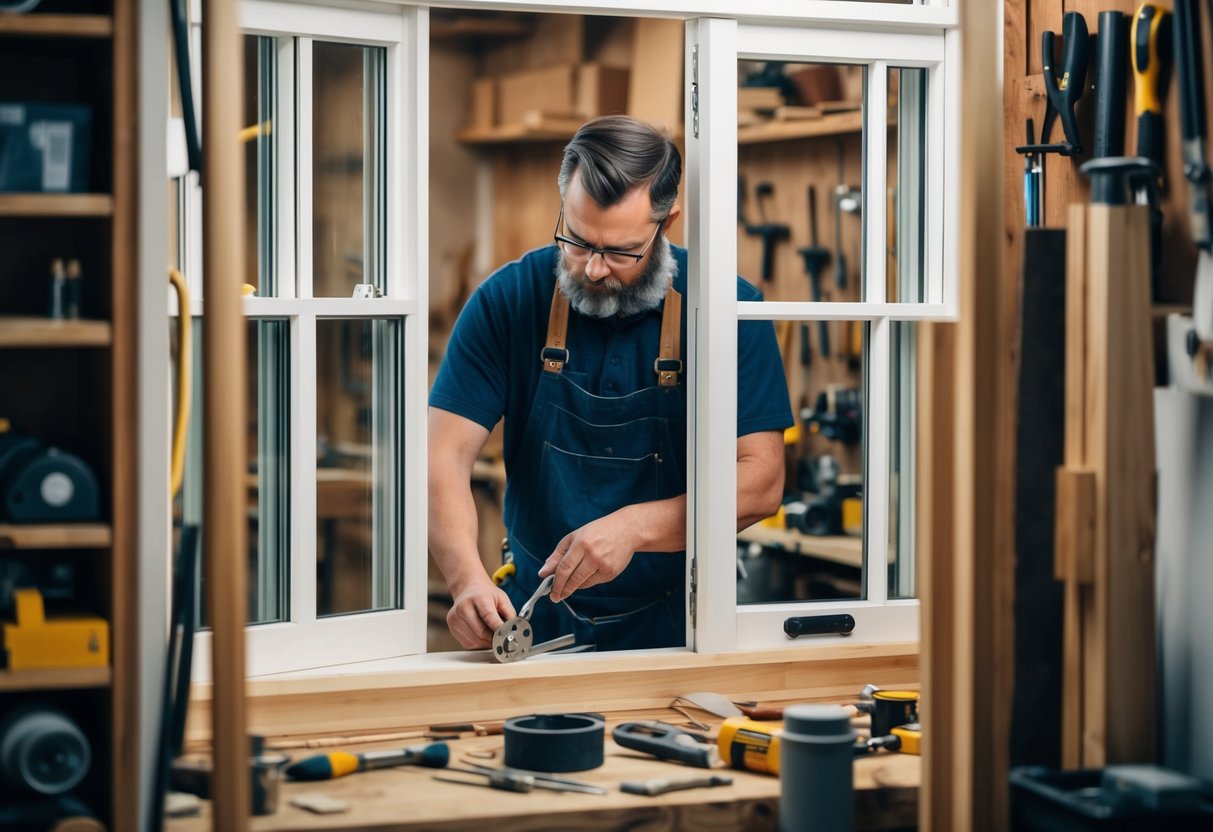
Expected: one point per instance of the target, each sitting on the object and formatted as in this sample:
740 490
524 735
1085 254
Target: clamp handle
1064 92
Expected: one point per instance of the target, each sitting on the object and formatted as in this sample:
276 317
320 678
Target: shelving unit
74 678
65 536
830 124
23 331
57 25
56 205
71 383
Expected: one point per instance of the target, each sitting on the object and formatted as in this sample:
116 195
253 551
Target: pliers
512 640
1062 92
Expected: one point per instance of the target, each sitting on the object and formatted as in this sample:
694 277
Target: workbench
409 799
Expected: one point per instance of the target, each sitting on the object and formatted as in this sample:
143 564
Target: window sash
714 46
305 641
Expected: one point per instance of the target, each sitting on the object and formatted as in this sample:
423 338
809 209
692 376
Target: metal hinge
694 587
695 90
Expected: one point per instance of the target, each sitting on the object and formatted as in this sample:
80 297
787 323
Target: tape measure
748 745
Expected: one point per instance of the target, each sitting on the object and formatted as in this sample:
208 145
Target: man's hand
478 610
592 555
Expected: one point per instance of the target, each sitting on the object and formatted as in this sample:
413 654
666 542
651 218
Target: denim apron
582 457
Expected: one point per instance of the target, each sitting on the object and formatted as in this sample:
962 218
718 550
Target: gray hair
615 154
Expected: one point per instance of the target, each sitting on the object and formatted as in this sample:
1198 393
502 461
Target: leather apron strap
667 366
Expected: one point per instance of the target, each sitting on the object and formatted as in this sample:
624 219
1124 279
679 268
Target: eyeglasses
582 252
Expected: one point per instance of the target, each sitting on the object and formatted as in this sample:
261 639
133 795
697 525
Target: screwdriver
1152 41
341 763
1152 57
506 781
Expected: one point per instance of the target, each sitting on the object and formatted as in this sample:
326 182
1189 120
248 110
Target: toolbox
36 642
1112 799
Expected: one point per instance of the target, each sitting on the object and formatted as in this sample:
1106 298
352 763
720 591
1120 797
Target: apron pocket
585 488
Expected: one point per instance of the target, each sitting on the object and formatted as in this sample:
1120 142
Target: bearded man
578 346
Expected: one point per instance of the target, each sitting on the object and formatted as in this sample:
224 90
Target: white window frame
305 640
852 32
713 48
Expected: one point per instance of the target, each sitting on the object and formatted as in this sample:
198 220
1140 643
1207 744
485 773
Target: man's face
596 287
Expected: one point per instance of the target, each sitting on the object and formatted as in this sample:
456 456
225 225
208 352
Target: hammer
771 232
815 259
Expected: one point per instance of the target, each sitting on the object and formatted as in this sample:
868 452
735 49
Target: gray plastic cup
815 769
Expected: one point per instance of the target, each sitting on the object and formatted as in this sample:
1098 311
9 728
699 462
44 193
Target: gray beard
613 297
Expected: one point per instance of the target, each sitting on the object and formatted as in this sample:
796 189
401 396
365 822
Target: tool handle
543 589
812 216
762 713
670 745
1111 47
1189 64
664 785
1151 135
768 258
1152 55
1077 55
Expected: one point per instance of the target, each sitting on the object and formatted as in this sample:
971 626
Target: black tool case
1046 800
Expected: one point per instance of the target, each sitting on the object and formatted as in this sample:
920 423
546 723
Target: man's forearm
453 532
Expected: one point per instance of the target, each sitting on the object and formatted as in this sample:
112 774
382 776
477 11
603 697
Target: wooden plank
830 124
64 536
470 687
837 548
57 25
56 205
126 704
17 331
72 678
1123 436
533 126
408 798
656 91
224 394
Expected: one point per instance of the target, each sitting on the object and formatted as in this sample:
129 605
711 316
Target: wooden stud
223 384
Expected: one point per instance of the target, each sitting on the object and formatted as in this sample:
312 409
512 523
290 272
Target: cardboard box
583 90
547 90
484 103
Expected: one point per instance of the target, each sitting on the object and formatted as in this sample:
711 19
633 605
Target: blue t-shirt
492 367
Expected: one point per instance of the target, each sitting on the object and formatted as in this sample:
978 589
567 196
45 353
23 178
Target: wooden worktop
408 798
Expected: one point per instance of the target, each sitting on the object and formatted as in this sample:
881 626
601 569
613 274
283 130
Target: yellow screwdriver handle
1152 50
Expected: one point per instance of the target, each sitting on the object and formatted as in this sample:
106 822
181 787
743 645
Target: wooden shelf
838 548
61 536
56 205
67 678
536 127
57 25
46 332
831 124
464 28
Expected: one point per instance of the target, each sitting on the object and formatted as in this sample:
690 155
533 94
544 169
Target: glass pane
906 180
348 171
268 450
902 443
260 110
812 549
359 443
800 165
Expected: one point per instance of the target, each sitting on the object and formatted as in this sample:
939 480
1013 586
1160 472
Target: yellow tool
35 642
1152 51
184 382
749 745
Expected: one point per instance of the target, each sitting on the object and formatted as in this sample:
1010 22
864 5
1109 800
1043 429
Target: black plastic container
1045 800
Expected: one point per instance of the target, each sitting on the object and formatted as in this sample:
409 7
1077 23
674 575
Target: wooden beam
125 702
223 385
966 530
